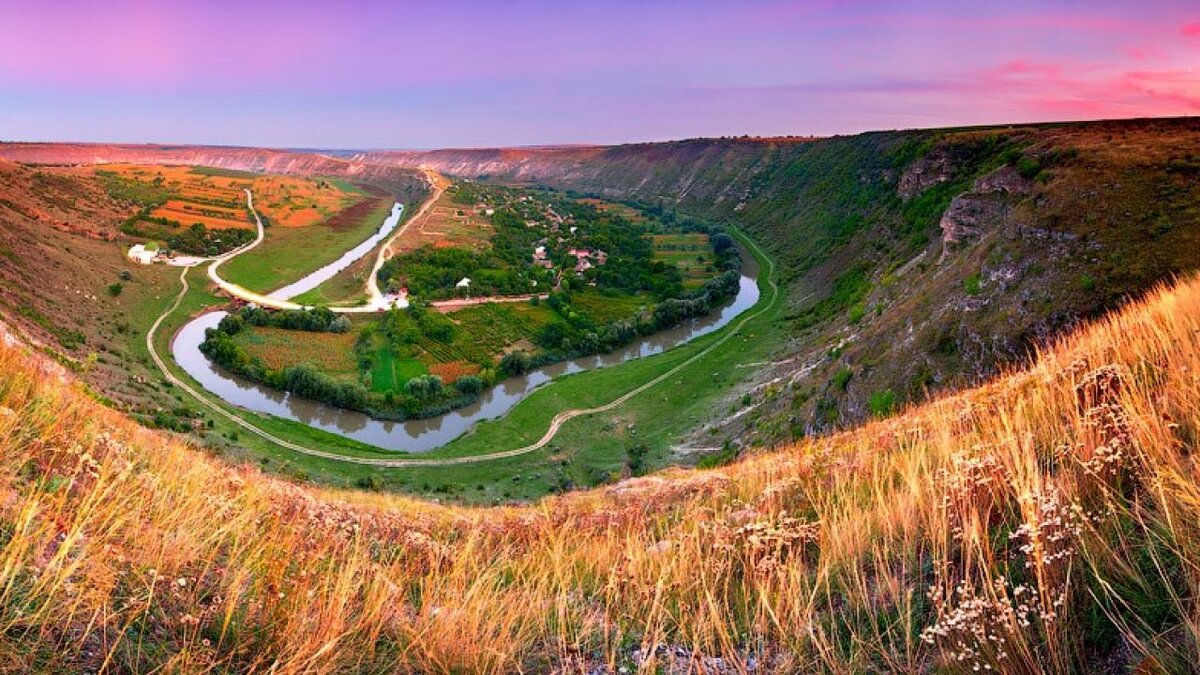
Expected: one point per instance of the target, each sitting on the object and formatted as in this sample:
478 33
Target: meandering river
427 434
349 257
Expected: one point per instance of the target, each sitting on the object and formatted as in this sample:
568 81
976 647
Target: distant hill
914 260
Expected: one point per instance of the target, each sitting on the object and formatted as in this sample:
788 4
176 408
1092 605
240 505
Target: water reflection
428 434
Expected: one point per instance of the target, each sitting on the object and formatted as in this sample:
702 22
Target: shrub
882 403
637 458
115 289
857 312
469 385
973 284
841 379
1028 167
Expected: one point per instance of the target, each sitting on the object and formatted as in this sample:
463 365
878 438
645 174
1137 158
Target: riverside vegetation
608 280
1038 522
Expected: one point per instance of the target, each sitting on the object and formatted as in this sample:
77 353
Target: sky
367 74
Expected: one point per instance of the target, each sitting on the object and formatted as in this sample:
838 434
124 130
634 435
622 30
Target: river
428 434
349 257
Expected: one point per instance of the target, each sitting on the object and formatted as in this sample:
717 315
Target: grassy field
289 253
390 372
1040 523
588 451
604 308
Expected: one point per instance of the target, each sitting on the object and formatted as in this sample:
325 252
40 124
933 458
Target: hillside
916 261
263 160
1040 521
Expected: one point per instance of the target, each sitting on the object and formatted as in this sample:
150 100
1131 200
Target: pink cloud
1191 29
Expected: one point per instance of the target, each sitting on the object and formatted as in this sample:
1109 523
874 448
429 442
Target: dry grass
291 201
1046 521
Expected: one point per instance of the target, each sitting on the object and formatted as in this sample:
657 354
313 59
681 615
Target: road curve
555 424
239 291
376 299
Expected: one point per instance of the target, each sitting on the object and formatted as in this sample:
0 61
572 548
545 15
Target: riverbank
588 450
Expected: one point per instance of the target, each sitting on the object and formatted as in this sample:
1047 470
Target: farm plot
691 253
448 223
289 201
623 210
607 308
483 333
175 198
279 348
390 371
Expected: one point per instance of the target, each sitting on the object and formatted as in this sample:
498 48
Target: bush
514 363
727 454
637 458
973 284
115 289
1028 167
882 403
469 385
841 379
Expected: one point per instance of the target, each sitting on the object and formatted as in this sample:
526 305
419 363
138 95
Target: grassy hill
915 261
1041 521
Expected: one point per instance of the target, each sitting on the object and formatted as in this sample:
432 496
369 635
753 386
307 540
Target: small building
465 282
143 254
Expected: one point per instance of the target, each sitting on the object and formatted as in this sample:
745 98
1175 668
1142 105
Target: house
601 257
540 259
143 254
582 266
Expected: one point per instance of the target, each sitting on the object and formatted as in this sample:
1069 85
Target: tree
722 242
514 363
469 385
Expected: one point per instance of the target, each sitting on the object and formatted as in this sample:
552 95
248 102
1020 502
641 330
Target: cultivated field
289 201
278 348
691 253
448 224
183 195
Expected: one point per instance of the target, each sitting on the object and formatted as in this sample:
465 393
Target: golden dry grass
294 201
1045 521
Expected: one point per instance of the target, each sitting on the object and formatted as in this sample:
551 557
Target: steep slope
1043 521
65 281
915 260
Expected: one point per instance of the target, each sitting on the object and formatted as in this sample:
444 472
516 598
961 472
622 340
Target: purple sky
402 75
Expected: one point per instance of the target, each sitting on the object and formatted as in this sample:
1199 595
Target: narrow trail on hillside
555 424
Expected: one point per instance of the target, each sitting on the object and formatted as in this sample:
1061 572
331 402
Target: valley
942 215
941 258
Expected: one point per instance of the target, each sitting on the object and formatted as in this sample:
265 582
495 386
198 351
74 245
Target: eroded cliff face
913 261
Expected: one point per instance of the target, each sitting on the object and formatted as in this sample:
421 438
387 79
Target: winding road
555 424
